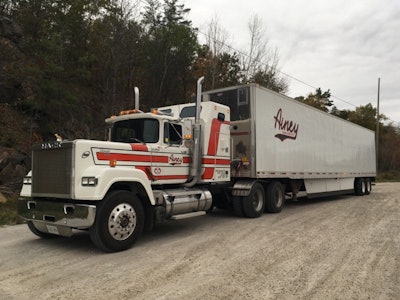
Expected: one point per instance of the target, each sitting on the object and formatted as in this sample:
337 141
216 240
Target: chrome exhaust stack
195 169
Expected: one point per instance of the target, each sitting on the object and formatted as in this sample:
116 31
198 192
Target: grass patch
389 176
8 211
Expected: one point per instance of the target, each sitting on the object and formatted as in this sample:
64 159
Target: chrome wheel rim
258 201
278 198
122 221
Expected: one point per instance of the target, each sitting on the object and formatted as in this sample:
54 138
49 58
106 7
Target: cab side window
172 134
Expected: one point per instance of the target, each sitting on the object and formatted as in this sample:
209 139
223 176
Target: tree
362 115
257 53
58 73
117 68
216 41
220 70
344 114
389 149
260 65
320 100
365 116
169 44
269 77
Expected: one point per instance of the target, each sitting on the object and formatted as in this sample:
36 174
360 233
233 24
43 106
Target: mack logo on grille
52 145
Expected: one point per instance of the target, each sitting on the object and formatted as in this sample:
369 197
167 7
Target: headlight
27 180
89 181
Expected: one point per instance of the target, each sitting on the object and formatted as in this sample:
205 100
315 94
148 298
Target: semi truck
244 148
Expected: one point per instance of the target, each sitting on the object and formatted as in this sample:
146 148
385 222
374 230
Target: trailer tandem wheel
254 203
119 221
368 186
275 199
359 186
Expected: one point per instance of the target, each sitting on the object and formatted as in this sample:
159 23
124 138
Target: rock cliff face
13 167
15 136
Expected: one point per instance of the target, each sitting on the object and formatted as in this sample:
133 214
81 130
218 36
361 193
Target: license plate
52 229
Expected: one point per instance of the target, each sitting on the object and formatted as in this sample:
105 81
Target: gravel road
344 247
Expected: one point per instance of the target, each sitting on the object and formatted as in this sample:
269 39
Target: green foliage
364 116
388 176
71 63
80 59
320 100
389 149
169 43
220 70
269 78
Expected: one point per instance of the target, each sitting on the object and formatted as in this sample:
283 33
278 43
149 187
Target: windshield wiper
136 140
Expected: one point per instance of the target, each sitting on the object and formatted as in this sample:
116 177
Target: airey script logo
286 129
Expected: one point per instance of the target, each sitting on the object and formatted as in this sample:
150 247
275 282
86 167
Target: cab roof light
128 112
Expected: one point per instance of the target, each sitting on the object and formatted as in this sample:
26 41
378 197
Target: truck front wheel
119 221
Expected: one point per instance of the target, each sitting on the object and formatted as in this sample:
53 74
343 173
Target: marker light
129 111
113 163
245 161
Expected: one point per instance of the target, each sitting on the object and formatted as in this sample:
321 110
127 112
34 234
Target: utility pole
377 126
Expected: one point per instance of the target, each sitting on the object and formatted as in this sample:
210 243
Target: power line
278 70
283 73
268 66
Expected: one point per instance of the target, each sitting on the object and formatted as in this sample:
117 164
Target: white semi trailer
244 148
294 147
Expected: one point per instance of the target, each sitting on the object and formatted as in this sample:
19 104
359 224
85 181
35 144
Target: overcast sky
341 45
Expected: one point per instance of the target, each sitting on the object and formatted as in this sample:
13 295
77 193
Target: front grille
52 170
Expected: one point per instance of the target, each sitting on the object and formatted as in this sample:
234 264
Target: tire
275 199
44 235
368 186
254 204
119 222
359 186
237 206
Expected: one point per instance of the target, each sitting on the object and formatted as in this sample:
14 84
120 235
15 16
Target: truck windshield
135 131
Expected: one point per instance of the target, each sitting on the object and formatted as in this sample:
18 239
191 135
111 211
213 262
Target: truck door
171 165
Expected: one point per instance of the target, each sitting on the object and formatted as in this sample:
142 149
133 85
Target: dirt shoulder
344 247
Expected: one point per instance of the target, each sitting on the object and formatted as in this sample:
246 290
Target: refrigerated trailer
244 148
276 138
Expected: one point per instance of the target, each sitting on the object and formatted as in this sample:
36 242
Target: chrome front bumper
47 215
